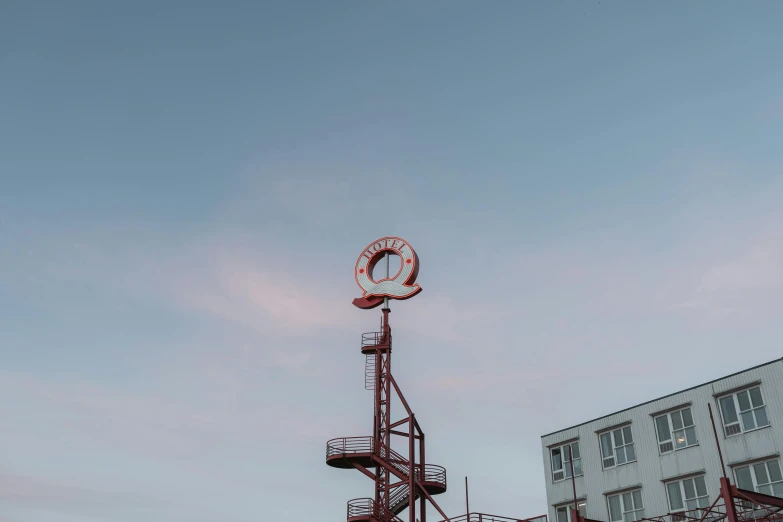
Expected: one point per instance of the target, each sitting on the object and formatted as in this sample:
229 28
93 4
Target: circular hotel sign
401 286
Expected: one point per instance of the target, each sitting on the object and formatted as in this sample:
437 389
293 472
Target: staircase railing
483 517
348 445
345 445
375 339
367 508
399 498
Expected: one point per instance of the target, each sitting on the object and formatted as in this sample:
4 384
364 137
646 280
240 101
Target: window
763 477
564 512
626 507
617 447
561 465
688 495
675 430
752 412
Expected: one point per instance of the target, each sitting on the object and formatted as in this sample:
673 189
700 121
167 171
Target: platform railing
348 445
366 508
484 517
375 339
360 507
345 445
433 473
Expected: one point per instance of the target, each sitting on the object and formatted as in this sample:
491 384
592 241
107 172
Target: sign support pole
386 299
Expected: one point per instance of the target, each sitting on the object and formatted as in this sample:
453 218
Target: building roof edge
665 396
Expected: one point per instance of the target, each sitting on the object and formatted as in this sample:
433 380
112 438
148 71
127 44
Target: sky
593 189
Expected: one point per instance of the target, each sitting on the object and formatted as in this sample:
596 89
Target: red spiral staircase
365 452
401 482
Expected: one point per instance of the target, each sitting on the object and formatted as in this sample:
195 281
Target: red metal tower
399 480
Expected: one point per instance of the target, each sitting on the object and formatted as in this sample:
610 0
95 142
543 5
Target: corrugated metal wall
651 468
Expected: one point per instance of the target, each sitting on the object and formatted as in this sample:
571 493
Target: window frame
615 447
752 468
738 412
683 498
566 469
569 507
623 510
684 429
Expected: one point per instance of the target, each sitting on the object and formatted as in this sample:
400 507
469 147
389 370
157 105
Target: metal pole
575 517
467 499
412 468
422 461
717 442
386 299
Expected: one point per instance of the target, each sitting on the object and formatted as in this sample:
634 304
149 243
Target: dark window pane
676 420
761 416
675 497
701 487
744 402
615 513
761 473
729 412
606 445
690 490
755 397
557 460
663 428
630 453
620 456
687 418
748 420
743 478
774 470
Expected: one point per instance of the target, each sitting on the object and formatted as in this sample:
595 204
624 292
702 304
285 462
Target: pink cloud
745 287
55 496
162 426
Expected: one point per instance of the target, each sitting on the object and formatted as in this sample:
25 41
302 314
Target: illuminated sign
401 286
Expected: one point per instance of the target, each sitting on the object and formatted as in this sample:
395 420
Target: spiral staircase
400 481
366 452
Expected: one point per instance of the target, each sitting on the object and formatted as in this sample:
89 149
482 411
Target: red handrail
484 517
366 507
375 339
349 445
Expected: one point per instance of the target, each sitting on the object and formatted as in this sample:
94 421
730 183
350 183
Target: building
660 457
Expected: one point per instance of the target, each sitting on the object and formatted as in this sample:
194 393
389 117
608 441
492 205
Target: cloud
212 417
218 275
22 491
242 291
761 267
745 287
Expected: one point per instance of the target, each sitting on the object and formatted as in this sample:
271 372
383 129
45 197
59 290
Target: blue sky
593 189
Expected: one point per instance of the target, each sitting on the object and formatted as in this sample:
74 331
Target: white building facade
660 457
